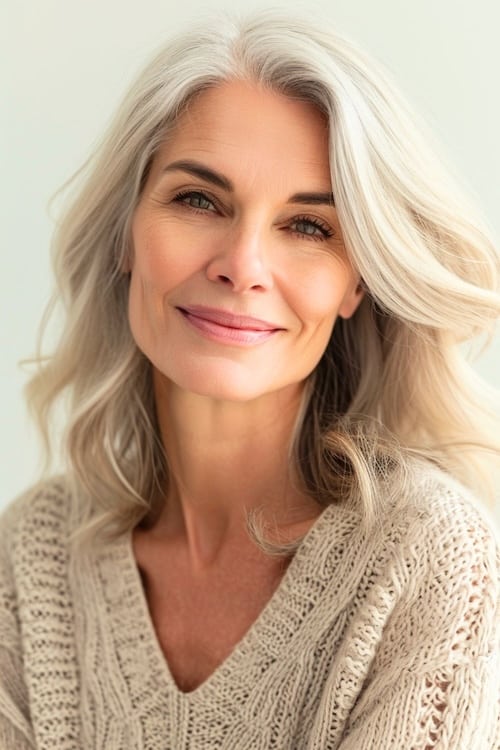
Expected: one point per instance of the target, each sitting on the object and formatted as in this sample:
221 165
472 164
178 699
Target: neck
223 458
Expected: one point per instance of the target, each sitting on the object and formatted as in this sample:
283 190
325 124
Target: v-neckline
134 631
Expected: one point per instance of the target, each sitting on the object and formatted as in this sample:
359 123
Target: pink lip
230 320
227 328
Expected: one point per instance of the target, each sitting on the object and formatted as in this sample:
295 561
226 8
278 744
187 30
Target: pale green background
66 64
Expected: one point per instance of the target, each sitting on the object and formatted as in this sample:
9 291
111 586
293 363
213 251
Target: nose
240 261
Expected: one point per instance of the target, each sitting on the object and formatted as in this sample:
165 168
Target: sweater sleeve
434 683
15 727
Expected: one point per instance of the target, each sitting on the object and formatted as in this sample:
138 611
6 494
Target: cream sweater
384 642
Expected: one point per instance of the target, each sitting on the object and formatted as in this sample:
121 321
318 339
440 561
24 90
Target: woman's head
237 220
428 272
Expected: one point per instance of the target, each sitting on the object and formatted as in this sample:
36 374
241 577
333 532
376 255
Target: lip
228 319
228 328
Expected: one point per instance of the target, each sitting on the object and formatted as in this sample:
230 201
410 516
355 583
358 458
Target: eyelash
179 198
325 230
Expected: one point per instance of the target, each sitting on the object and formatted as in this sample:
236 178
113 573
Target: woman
263 537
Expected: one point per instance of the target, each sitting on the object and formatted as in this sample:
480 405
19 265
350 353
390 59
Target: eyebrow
210 175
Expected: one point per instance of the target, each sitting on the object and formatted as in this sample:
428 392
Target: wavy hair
393 387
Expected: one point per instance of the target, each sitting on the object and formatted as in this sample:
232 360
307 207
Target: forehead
245 126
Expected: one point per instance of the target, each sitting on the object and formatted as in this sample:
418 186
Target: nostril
225 279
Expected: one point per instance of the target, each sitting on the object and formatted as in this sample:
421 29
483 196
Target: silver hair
393 387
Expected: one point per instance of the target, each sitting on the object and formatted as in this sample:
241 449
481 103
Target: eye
195 199
305 226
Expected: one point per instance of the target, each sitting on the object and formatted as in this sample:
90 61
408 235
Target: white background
66 64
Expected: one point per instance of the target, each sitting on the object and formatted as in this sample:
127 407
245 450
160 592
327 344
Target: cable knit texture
370 642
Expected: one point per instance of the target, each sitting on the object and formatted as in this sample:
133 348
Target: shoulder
35 550
453 513
41 511
439 552
433 565
437 508
429 524
452 536
447 563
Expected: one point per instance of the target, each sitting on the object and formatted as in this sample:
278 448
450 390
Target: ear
352 300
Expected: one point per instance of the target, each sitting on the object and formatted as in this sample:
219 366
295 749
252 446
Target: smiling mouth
227 327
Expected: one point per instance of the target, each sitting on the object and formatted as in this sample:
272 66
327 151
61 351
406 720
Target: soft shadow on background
66 65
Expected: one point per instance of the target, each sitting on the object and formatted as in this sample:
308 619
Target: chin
224 389
222 380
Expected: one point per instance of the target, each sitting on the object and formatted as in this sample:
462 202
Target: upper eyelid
185 192
313 220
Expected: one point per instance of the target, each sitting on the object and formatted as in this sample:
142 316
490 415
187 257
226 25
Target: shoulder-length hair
393 384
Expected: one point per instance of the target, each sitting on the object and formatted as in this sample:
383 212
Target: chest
198 623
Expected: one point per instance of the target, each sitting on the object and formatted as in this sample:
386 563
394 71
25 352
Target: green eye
195 199
311 228
306 227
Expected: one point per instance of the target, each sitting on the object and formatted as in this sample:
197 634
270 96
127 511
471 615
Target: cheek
151 273
158 255
320 293
145 312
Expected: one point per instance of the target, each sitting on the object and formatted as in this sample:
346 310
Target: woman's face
238 268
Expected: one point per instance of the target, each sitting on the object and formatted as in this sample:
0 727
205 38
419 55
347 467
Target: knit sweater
379 641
